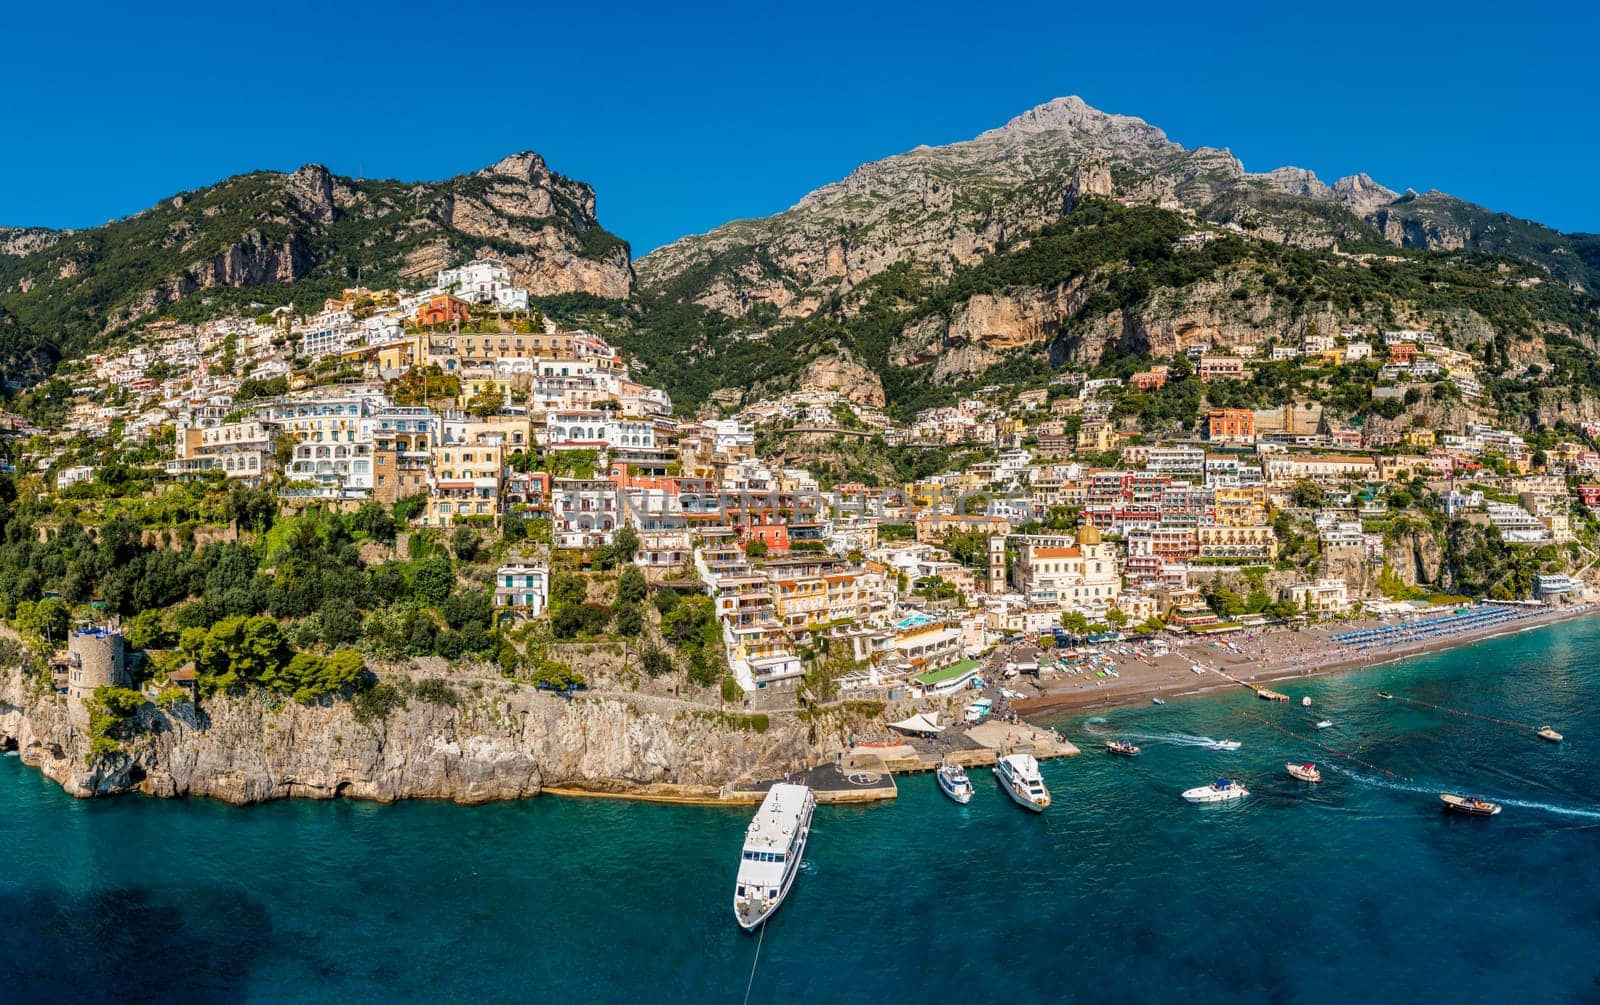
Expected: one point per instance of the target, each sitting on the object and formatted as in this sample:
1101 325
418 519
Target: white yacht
1223 790
1019 776
954 783
774 844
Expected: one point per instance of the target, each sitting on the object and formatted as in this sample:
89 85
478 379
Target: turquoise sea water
1358 889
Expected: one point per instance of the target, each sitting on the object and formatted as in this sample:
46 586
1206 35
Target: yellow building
800 602
1244 506
467 481
476 382
1096 438
1237 542
1420 437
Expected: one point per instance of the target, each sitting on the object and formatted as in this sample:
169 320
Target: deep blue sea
1358 889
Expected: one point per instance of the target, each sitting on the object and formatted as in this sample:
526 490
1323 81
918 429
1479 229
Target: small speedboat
1305 702
1157 701
1223 790
1325 723
1226 745
1470 805
954 783
1549 734
1386 696
1121 749
1306 772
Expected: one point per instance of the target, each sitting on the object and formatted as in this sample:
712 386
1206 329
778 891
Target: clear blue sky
684 116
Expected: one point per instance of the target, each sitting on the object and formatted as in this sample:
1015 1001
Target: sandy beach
1257 657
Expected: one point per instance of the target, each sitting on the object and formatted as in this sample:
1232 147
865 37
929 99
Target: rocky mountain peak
311 188
1362 194
1073 114
525 166
1300 182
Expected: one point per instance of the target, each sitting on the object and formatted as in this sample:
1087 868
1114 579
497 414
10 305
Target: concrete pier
979 746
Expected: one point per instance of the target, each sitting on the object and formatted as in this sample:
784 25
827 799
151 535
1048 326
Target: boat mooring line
1470 715
760 938
1322 746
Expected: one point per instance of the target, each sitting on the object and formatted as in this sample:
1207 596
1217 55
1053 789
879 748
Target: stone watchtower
997 564
96 657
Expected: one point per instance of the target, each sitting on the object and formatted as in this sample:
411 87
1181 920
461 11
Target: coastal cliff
500 740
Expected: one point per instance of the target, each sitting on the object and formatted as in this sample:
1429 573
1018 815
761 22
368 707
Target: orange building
1402 353
1231 424
1151 379
442 310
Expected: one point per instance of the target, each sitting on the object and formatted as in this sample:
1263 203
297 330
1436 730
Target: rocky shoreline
501 740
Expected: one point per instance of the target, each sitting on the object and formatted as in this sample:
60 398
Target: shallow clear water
1358 888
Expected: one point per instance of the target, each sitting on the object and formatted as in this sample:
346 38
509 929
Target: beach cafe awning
921 724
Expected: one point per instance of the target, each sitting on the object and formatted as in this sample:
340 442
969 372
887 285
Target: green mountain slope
272 238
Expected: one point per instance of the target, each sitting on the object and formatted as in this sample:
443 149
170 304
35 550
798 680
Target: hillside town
461 405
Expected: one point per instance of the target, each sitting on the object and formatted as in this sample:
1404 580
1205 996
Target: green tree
631 585
375 520
486 402
568 591
46 620
1306 494
464 542
628 621
1075 622
433 579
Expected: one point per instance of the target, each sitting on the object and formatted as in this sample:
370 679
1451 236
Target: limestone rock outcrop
501 742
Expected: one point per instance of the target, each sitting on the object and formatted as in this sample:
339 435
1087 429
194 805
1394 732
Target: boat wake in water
1183 740
1578 812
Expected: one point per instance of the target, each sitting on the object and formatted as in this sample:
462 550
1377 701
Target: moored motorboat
1019 776
1121 748
1305 702
1549 734
1325 723
1470 805
1386 696
1306 772
1157 701
774 844
1223 790
953 782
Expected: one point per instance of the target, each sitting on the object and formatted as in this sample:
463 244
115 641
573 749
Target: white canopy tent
921 724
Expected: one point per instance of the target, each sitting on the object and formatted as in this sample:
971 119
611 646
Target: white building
485 282
522 587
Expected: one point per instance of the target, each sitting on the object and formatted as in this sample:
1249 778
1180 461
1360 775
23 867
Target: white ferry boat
1019 776
774 844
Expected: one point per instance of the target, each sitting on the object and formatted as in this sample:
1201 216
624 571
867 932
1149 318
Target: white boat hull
1020 798
753 911
1208 794
962 795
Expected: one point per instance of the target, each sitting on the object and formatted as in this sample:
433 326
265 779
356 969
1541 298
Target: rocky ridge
504 742
278 234
935 209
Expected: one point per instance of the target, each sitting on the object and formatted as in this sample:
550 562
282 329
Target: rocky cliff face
275 231
840 372
503 742
925 214
933 208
